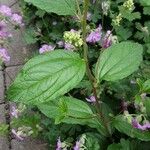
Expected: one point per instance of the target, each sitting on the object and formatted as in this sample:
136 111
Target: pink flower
46 48
58 144
5 11
107 40
17 19
69 46
143 127
60 44
91 99
17 135
77 146
3 31
95 36
14 112
4 55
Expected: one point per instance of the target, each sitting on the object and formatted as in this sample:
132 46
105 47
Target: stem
88 71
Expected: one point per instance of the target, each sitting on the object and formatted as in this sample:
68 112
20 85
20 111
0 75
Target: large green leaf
76 112
60 7
123 126
47 77
119 61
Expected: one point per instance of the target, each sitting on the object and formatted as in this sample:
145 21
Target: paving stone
2 113
28 144
1 87
10 74
4 143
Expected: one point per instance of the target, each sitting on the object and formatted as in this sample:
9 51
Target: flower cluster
105 7
117 20
129 4
16 111
22 132
78 145
97 36
6 15
73 38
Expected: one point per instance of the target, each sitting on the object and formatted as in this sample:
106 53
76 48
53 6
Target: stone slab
1 87
28 144
10 74
4 143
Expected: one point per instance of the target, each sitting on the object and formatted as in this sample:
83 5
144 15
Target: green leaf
78 112
119 61
60 7
145 2
146 10
124 127
147 105
47 77
123 145
146 86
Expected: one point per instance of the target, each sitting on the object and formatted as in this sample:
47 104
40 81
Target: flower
143 127
105 7
4 55
69 46
17 19
46 48
129 4
60 44
117 20
3 32
5 11
59 144
91 99
94 36
107 40
77 146
17 135
14 112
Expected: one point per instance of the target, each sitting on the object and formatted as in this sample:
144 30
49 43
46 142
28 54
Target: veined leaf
78 112
119 61
123 126
60 7
47 77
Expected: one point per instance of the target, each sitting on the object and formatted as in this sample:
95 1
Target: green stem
88 71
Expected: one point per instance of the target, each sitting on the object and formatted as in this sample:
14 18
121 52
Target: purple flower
107 40
59 144
17 135
17 19
69 46
143 127
14 112
60 44
4 55
77 146
46 48
94 36
91 99
5 11
3 32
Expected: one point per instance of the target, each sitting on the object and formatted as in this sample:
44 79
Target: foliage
95 91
